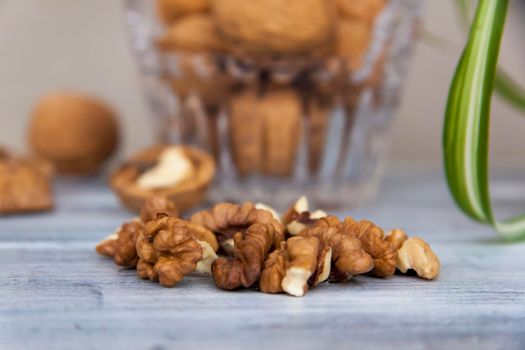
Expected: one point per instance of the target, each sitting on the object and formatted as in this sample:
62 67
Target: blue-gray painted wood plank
56 293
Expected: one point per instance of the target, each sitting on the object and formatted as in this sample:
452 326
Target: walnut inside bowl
181 173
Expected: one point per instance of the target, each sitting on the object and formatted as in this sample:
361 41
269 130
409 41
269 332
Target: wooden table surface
56 293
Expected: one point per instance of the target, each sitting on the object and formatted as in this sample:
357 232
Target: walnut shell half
186 193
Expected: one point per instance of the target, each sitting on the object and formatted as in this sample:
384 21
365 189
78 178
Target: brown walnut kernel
299 217
374 243
268 208
274 270
303 253
324 265
298 262
348 256
167 250
120 246
396 238
202 234
157 204
25 184
108 246
249 253
417 255
226 219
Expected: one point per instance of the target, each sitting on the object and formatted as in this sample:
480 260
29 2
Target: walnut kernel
155 205
348 256
417 255
303 253
249 253
396 238
272 211
167 251
208 257
121 245
226 219
374 243
295 264
25 185
298 217
274 270
172 168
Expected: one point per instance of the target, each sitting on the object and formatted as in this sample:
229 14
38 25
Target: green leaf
505 86
467 119
509 90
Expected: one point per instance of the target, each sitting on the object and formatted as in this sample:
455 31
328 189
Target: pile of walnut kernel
251 246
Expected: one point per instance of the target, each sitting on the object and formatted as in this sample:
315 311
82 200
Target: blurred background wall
81 44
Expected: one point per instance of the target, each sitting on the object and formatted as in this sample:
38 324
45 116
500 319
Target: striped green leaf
467 119
506 88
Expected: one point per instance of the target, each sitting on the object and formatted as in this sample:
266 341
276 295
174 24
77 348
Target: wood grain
56 293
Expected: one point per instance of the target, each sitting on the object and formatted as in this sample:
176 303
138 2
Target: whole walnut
353 39
77 133
265 130
361 9
196 33
275 26
169 10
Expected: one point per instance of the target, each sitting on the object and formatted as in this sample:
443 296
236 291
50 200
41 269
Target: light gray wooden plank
61 288
56 293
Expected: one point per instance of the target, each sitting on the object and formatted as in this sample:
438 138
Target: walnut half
347 254
374 243
249 253
120 246
299 217
25 184
167 251
417 255
297 263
